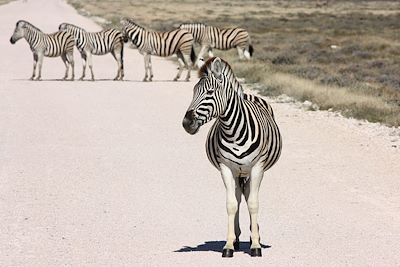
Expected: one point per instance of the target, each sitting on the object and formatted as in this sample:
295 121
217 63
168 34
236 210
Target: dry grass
2 2
293 43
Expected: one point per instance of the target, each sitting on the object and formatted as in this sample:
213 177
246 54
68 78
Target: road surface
102 173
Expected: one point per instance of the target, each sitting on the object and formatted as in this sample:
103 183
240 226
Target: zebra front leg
238 193
150 69
231 208
64 59
251 194
89 57
200 56
180 68
146 64
35 59
40 63
84 64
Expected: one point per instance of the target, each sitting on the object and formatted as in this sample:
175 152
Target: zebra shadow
217 246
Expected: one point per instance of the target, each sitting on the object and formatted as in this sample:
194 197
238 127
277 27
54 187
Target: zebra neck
233 112
32 36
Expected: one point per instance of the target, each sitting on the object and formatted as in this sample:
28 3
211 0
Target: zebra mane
192 24
73 26
30 25
227 71
130 22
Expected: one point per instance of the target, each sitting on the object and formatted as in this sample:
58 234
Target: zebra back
198 30
50 45
227 38
98 43
158 43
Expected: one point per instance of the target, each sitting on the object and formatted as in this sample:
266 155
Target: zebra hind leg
70 58
182 64
84 64
89 57
240 51
188 65
117 57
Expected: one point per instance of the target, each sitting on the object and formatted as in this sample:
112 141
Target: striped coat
42 44
210 37
97 43
163 44
242 144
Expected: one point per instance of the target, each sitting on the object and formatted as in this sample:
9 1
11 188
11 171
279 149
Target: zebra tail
192 55
251 50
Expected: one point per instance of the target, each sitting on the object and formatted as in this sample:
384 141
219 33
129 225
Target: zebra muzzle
189 123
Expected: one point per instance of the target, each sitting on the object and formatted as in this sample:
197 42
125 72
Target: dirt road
102 173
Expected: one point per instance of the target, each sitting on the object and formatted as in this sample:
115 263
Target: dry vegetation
343 55
2 2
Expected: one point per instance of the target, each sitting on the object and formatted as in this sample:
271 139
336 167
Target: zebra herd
244 140
179 42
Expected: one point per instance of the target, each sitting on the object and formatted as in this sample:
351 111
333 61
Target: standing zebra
97 43
210 37
163 44
49 45
242 144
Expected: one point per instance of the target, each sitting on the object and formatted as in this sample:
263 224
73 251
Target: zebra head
19 31
210 96
130 31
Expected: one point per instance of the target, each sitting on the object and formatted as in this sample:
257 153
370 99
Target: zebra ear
216 67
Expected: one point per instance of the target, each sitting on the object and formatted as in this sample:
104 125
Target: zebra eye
210 91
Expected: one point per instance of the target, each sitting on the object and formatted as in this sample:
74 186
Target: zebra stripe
42 44
163 44
210 37
243 143
97 43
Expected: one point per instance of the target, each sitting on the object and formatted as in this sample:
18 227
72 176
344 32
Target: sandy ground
102 173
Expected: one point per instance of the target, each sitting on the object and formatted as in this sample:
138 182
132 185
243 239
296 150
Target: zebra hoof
255 252
227 253
175 79
236 244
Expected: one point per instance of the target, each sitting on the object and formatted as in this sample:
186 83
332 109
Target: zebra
163 44
49 45
97 43
242 144
210 37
